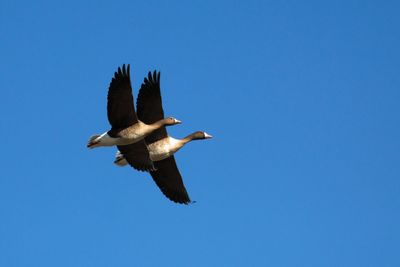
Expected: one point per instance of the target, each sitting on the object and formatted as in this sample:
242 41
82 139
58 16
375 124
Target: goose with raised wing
126 129
161 146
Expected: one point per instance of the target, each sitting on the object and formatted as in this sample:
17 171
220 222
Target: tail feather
91 140
120 160
93 137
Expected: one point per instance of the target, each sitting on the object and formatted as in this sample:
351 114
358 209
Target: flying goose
165 147
126 129
161 146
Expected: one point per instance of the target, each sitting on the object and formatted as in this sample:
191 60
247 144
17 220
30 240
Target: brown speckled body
164 148
137 131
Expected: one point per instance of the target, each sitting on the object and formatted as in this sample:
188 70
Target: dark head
171 121
199 135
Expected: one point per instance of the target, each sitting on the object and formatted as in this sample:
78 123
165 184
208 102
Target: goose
164 147
161 146
126 129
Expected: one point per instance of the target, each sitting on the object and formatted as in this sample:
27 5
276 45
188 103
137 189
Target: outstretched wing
120 108
169 180
137 156
149 105
149 110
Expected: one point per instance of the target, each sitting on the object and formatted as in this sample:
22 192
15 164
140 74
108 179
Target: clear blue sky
302 98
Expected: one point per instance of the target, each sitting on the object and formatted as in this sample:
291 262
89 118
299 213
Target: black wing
149 110
169 180
120 108
137 156
149 105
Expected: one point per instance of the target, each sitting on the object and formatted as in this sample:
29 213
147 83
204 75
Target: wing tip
122 71
152 78
177 197
185 201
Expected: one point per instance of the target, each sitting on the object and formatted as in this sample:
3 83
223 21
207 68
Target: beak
178 121
207 136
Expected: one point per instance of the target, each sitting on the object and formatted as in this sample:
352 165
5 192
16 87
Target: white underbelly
106 140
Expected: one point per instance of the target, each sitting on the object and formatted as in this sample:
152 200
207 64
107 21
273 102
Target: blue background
302 98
